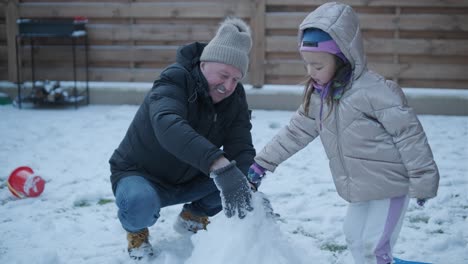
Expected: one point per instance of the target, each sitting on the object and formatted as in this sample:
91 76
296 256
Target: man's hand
234 187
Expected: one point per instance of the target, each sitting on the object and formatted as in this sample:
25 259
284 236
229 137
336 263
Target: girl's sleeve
390 107
300 131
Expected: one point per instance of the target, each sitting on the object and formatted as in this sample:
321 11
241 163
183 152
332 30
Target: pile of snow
255 239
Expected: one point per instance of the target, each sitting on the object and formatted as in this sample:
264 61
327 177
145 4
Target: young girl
379 155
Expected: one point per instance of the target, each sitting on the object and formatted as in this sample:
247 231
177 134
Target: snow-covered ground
74 220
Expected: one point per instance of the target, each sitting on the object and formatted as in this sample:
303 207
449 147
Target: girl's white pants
371 229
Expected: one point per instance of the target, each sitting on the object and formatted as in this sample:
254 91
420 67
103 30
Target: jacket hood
342 24
188 56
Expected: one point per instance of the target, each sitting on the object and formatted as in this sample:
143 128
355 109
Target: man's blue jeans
139 201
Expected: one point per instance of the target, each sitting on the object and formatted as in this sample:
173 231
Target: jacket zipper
215 117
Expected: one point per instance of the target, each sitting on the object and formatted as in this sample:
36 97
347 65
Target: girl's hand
255 175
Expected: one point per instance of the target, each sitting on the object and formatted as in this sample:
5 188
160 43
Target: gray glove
235 191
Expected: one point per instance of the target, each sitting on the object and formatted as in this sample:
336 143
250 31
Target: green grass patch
438 231
419 219
103 201
81 203
301 231
332 247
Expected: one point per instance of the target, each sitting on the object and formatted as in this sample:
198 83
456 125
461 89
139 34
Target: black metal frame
31 38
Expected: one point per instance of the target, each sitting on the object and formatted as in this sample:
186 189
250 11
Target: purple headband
328 46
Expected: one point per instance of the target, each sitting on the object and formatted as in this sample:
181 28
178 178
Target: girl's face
321 66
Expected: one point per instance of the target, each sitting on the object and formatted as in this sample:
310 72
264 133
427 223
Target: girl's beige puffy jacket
373 139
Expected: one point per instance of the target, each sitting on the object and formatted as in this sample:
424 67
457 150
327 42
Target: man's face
222 79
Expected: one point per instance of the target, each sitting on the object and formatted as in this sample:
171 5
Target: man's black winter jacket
177 132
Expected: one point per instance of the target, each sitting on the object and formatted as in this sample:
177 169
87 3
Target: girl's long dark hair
340 79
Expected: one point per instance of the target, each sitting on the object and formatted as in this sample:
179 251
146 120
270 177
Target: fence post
257 77
11 15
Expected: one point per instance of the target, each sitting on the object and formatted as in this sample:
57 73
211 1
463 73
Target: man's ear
202 68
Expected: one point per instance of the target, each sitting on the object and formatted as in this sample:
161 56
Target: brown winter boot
139 246
186 221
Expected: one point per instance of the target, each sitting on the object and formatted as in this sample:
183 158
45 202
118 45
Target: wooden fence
419 43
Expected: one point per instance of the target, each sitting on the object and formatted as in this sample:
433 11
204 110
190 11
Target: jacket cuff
266 166
222 170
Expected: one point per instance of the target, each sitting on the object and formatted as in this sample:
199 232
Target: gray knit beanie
231 45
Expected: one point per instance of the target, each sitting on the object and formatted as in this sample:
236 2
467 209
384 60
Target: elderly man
189 142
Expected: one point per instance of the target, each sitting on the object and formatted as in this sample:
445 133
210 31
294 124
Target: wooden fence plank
415 71
257 67
2 9
416 3
384 46
112 74
417 46
428 59
45 54
150 32
423 71
433 22
126 75
82 1
292 21
3 73
3 54
281 44
90 10
3 36
99 74
450 84
135 10
11 32
380 21
198 9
